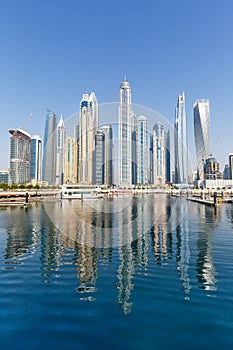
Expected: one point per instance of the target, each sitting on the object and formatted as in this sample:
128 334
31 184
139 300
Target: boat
81 191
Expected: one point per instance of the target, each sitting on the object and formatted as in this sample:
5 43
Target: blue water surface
170 286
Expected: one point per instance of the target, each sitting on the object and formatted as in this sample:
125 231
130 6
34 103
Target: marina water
146 272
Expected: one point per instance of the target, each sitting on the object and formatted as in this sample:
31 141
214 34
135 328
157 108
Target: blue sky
52 51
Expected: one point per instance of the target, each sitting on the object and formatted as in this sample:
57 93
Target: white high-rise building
180 140
142 151
20 156
159 155
201 110
88 128
125 135
61 135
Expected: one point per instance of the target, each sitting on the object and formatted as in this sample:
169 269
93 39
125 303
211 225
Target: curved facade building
181 145
201 111
20 156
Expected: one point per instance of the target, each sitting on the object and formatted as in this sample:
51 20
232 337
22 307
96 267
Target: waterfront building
4 176
151 159
142 151
20 156
159 150
36 159
108 162
70 160
211 169
134 146
61 135
87 130
167 157
50 148
180 142
231 165
226 172
201 110
125 119
99 158
216 184
76 136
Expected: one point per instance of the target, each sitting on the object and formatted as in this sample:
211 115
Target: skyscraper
167 157
108 163
20 156
142 151
231 166
201 110
159 148
88 129
70 160
99 158
180 140
36 158
61 135
125 135
50 148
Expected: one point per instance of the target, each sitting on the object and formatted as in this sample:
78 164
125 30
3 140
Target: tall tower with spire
125 119
180 139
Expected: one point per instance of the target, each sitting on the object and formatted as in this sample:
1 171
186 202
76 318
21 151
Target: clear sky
52 51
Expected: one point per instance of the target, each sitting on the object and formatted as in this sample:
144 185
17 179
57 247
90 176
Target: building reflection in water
78 234
133 254
205 269
160 211
22 233
183 249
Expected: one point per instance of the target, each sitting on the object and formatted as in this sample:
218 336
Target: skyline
164 50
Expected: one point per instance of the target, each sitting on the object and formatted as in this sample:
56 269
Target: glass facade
108 144
142 151
201 112
87 129
50 148
99 158
180 140
36 158
125 135
159 148
61 134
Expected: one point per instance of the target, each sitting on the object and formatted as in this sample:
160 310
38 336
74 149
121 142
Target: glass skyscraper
142 151
108 163
99 158
36 158
201 111
61 135
88 128
20 156
125 120
180 140
50 148
159 155
168 157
